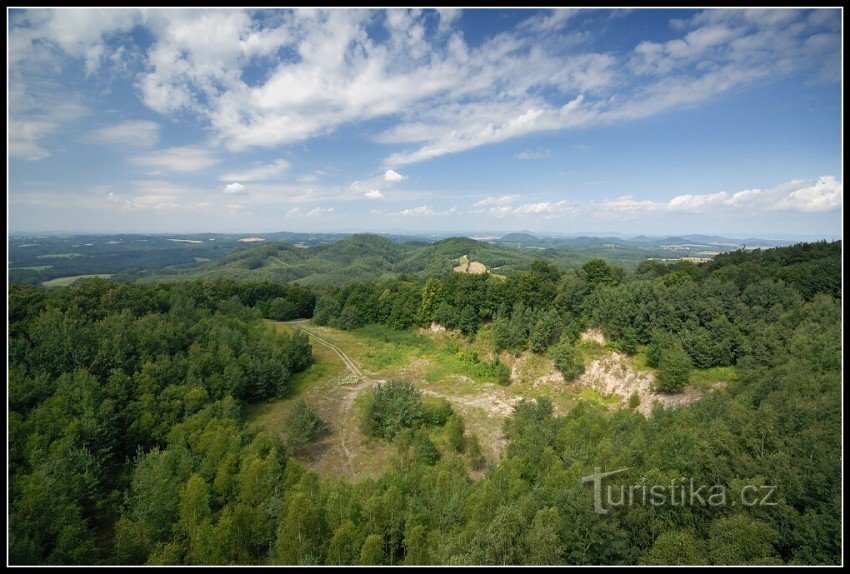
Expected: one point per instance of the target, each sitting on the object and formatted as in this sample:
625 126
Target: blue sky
630 121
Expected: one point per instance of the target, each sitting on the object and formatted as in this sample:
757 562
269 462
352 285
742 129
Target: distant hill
331 258
518 239
442 256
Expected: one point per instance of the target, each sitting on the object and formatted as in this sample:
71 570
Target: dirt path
351 393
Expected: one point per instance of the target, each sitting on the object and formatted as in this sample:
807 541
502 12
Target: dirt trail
351 393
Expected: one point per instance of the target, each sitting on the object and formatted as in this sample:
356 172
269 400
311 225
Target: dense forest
127 442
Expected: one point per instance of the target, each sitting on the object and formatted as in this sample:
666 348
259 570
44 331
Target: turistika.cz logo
678 492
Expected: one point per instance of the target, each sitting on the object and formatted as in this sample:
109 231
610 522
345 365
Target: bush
437 414
424 450
499 371
455 433
304 425
568 360
391 407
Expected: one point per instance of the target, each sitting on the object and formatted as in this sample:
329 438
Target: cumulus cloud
803 196
393 176
234 187
824 194
373 188
547 208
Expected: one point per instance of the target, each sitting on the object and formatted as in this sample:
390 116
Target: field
65 281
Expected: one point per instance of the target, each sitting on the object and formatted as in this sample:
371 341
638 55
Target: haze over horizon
654 122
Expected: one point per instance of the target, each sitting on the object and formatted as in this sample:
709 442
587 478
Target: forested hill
327 259
359 256
369 256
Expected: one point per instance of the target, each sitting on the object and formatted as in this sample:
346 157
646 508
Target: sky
648 121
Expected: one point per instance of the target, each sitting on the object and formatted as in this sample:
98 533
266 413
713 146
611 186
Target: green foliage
568 360
393 406
599 272
304 425
424 450
455 433
674 369
674 548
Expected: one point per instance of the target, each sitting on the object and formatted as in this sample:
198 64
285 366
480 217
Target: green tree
345 545
303 425
739 539
372 552
424 450
674 548
455 433
392 406
568 360
674 369
542 545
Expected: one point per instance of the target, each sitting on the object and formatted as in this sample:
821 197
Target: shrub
568 360
304 425
392 406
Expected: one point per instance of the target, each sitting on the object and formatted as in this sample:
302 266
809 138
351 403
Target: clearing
447 366
65 281
467 266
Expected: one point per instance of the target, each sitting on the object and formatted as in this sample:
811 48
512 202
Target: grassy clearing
32 268
65 281
445 365
705 379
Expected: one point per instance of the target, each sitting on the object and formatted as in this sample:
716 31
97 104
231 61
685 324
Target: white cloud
826 194
548 209
372 188
24 138
804 196
234 187
501 200
393 176
697 203
426 210
421 210
450 94
130 133
259 172
182 159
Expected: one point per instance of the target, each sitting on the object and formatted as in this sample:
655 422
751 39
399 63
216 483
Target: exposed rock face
614 375
593 335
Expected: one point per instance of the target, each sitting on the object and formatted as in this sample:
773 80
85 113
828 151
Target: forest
128 443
